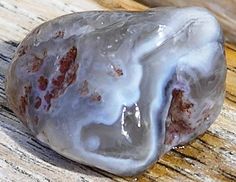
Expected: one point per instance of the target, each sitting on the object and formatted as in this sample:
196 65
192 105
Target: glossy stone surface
116 90
224 10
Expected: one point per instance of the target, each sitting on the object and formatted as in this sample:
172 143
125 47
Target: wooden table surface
211 157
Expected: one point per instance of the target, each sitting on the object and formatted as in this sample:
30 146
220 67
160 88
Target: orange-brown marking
23 104
23 101
68 60
59 34
96 97
71 75
178 111
59 80
181 105
22 50
68 68
43 83
84 90
37 63
38 102
48 98
119 72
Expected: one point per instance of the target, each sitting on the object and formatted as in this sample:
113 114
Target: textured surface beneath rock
225 11
94 106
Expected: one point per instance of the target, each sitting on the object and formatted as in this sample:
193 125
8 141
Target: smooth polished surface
225 11
116 90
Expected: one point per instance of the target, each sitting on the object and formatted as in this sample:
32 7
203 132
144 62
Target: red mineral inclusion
119 72
179 110
23 104
48 98
67 61
38 102
84 90
68 68
59 34
58 81
24 99
37 63
22 50
96 97
43 83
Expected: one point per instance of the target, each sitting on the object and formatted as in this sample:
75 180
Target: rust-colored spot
37 102
23 104
67 76
66 61
96 97
43 83
22 50
58 81
181 105
119 72
48 98
59 34
36 65
84 90
55 92
71 75
23 101
179 113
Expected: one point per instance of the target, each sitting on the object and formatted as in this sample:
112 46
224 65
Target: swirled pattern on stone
117 90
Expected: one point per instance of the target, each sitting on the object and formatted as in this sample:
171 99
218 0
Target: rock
117 90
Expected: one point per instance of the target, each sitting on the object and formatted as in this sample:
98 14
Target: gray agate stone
117 90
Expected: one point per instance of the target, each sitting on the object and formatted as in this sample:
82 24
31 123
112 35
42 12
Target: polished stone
116 90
